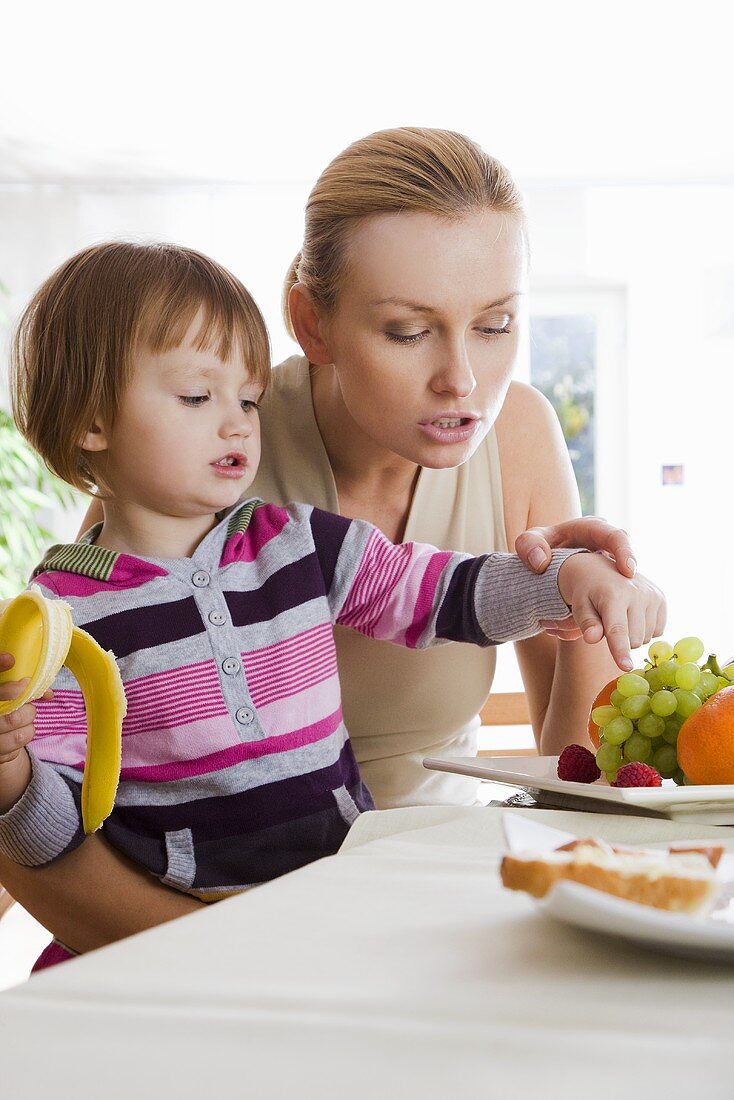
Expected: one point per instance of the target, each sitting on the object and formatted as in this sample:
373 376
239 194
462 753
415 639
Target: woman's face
424 334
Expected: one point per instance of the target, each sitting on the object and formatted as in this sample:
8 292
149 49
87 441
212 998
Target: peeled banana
41 636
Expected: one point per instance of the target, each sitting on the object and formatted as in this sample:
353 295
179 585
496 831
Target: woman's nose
454 375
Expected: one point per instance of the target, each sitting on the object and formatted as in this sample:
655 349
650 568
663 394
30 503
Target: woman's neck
361 467
132 529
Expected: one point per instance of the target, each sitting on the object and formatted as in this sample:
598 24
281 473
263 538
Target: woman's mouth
450 428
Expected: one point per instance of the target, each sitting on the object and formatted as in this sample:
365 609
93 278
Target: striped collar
89 560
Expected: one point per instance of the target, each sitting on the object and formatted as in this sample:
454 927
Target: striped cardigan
236 766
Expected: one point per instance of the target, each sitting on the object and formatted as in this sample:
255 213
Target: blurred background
207 124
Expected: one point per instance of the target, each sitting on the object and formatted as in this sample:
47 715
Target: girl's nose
238 421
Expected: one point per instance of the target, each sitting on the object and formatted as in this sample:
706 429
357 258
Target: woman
408 290
405 301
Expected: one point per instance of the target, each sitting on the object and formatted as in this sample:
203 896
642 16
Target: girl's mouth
233 465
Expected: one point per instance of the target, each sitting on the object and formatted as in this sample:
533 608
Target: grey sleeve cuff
43 822
510 600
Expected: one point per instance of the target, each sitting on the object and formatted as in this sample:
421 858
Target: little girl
137 372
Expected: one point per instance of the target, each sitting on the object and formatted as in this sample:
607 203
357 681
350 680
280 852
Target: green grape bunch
649 705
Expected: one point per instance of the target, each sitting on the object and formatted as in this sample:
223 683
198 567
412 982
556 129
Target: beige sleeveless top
399 705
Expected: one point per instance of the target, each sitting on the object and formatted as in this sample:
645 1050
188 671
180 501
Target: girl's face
424 334
186 440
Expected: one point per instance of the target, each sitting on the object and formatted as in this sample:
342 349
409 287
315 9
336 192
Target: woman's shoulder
293 464
533 457
527 422
524 401
288 381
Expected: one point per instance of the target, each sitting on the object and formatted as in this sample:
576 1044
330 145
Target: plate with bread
705 805
678 898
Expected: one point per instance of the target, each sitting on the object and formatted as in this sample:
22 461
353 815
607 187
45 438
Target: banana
41 636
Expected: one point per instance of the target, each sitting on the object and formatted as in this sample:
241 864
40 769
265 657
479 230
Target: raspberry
638 775
577 765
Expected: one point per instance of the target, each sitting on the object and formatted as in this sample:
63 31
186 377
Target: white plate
710 937
674 933
710 805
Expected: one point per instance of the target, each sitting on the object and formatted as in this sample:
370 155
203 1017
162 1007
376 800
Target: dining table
399 967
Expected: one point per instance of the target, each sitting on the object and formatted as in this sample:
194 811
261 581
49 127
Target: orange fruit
706 741
603 699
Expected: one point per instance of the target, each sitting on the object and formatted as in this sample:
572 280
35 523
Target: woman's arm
561 678
93 896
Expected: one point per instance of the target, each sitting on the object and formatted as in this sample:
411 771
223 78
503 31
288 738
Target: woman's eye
193 402
502 324
250 406
486 331
399 338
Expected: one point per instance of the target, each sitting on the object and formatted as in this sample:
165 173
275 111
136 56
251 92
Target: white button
217 617
244 715
231 666
200 579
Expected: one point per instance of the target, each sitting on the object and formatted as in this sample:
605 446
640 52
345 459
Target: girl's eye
194 401
413 338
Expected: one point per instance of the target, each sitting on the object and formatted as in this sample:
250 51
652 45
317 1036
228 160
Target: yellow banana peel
41 636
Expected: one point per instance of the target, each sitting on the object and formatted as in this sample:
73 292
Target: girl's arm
561 678
93 896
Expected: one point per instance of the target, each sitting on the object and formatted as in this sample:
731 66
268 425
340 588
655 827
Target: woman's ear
308 326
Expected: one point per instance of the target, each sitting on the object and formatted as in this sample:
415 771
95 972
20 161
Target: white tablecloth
398 968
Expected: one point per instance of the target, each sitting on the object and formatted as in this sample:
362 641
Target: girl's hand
628 613
591 533
16 728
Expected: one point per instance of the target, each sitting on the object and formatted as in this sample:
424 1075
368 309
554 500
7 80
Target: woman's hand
591 533
534 547
628 613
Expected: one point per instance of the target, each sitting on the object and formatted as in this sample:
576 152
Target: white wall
254 230
670 248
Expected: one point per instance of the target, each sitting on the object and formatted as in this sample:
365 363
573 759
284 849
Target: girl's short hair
74 348
404 169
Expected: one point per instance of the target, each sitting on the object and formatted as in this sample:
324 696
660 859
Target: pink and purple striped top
236 765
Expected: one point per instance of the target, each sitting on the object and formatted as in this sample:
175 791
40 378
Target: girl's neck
361 467
133 529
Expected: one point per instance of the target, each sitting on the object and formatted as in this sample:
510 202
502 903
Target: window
577 359
563 367
574 352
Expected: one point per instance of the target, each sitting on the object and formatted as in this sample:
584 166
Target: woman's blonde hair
405 169
74 348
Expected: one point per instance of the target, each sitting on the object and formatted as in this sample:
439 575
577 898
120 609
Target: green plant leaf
27 488
34 496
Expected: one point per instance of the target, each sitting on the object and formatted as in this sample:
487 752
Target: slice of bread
682 880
